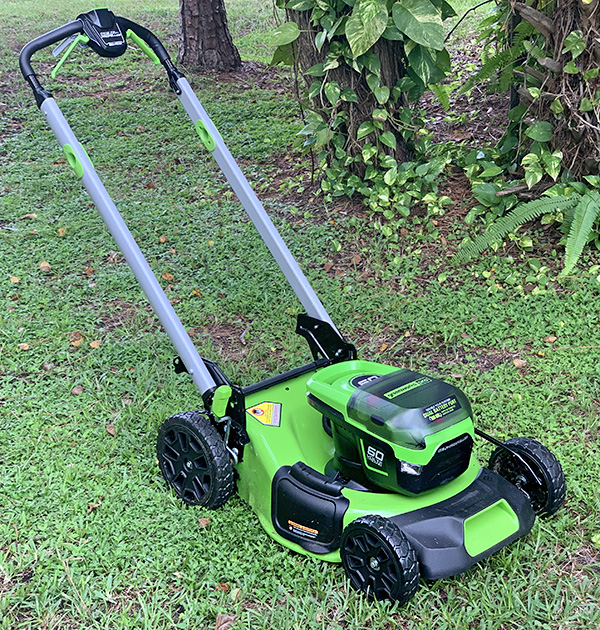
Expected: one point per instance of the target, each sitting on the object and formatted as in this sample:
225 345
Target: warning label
266 413
440 410
302 530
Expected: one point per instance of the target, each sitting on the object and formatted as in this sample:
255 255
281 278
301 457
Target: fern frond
585 214
501 60
507 224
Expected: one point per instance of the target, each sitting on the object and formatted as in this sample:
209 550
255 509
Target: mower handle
94 24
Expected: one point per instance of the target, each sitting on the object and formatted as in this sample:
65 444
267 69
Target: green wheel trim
73 160
207 140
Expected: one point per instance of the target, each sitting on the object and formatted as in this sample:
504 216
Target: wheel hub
374 564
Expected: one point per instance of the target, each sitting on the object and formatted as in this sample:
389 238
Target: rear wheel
194 461
533 468
379 560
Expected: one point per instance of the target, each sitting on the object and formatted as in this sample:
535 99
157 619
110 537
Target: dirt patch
228 338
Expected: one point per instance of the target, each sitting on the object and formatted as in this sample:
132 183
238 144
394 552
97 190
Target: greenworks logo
408 387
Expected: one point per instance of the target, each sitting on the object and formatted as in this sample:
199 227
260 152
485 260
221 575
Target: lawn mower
341 459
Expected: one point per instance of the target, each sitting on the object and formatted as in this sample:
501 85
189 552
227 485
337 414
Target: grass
89 535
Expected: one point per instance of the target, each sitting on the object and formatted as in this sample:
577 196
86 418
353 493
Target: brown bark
205 41
392 70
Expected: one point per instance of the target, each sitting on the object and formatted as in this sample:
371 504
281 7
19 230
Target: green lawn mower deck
341 459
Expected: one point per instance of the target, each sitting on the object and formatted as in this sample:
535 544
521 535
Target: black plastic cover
107 39
308 508
437 532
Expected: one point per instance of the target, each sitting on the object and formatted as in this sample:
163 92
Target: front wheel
379 560
194 461
532 467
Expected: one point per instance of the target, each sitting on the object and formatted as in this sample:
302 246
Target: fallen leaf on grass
15 279
355 259
550 339
93 506
327 266
95 344
88 271
23 346
30 215
78 389
225 622
197 293
76 338
45 266
178 575
110 429
167 276
61 231
163 238
222 586
383 347
203 522
519 363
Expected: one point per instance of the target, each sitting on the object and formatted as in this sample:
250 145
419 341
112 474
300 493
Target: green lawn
90 537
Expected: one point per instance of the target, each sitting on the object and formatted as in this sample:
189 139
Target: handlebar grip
147 36
57 35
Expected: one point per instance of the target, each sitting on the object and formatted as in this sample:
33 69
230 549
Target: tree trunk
205 41
392 69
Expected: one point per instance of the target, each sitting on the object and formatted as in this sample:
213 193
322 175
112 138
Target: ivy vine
373 60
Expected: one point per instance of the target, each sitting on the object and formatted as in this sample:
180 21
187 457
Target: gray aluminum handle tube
288 265
124 239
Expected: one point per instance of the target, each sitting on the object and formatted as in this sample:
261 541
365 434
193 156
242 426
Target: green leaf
366 25
332 92
442 93
285 34
388 138
423 64
364 130
283 55
574 43
557 107
421 21
586 213
591 74
533 174
320 38
373 81
534 91
391 32
552 163
390 176
316 71
382 94
586 105
541 131
300 5
491 171
314 89
571 68
349 95
593 180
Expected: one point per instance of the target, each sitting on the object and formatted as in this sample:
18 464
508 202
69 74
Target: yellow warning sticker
267 413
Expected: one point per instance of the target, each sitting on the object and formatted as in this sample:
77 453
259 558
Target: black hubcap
185 465
523 473
371 565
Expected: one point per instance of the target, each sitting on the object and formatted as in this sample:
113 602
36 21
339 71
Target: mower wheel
194 461
379 560
534 470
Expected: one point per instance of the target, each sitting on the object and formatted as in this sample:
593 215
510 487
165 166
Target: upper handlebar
43 41
107 37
